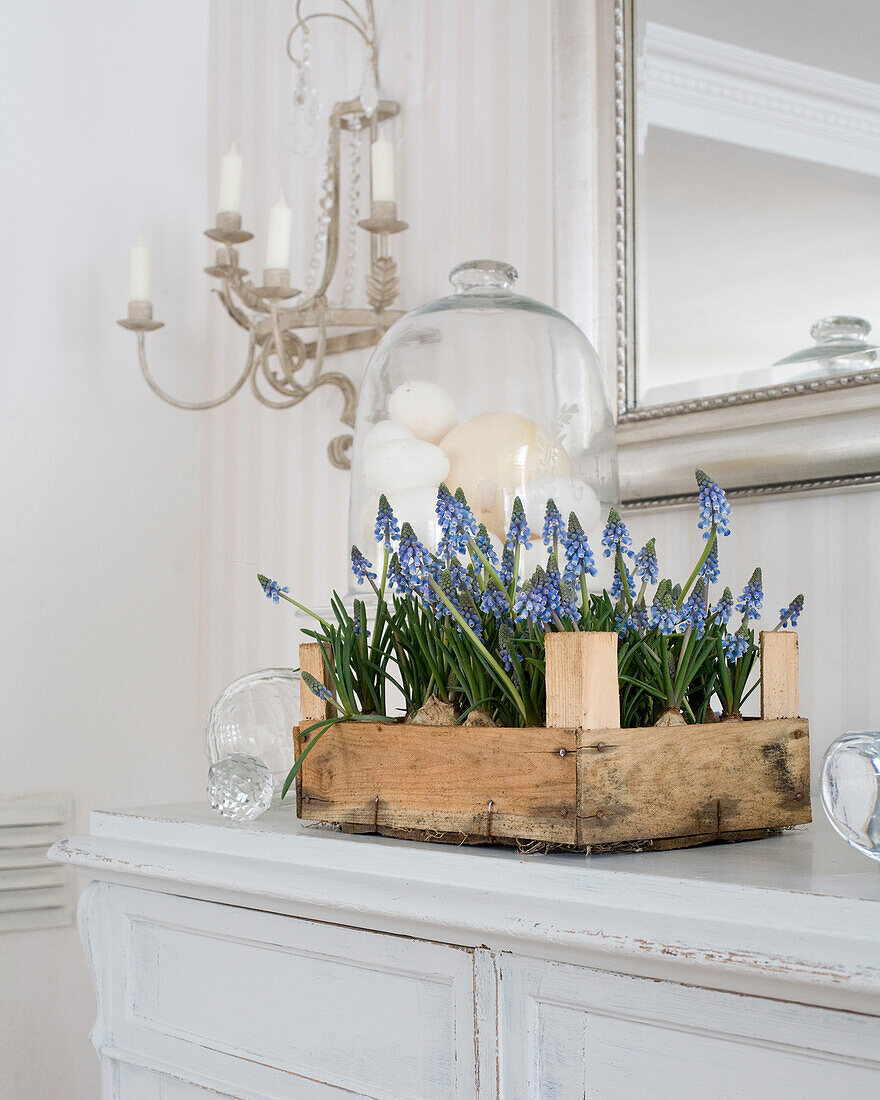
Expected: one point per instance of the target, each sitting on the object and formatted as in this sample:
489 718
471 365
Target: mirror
754 198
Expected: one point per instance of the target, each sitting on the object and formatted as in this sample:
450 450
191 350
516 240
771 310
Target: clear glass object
842 346
240 787
487 390
255 715
851 790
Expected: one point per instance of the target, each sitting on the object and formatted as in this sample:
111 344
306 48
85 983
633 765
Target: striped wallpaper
473 179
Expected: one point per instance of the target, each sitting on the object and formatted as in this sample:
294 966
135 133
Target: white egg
386 431
425 408
404 464
493 456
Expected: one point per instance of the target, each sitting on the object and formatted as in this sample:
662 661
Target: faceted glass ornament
490 391
851 790
256 715
240 787
304 116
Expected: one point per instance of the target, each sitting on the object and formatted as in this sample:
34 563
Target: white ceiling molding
712 89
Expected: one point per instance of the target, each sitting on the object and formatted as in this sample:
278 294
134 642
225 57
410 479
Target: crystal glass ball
851 790
489 391
240 787
255 715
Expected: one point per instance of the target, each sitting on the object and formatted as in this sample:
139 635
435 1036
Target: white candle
139 272
230 182
280 226
382 163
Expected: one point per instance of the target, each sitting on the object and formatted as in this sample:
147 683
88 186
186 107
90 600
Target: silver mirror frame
794 438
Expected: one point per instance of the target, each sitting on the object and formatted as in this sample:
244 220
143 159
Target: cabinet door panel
571 1032
287 1006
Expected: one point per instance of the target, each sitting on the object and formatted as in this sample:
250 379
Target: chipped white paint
545 970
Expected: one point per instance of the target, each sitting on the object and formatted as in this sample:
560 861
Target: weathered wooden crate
580 782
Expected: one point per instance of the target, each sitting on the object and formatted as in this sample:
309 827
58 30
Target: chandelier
291 332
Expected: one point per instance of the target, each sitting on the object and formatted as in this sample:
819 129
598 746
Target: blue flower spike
615 537
411 553
554 526
736 645
316 687
752 598
714 509
788 616
518 533
710 569
694 608
361 566
645 564
663 613
722 610
578 555
272 589
484 545
387 528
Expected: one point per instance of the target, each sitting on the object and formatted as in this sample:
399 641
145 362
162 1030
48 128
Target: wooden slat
582 686
311 660
779 674
444 778
682 781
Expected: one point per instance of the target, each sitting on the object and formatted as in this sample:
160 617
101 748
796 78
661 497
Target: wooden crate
580 782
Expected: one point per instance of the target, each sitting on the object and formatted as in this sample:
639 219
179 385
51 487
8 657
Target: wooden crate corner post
583 694
779 674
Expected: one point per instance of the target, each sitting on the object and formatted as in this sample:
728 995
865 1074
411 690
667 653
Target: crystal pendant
851 790
240 787
304 116
369 91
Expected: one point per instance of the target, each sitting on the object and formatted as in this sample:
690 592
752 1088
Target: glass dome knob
483 275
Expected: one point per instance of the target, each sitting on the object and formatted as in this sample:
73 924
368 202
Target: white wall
103 131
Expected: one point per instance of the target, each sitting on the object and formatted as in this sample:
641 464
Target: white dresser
267 961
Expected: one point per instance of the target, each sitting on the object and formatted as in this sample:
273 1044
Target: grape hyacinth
710 569
518 533
615 537
387 527
736 645
397 579
714 509
752 597
617 588
788 616
554 526
484 545
578 555
722 610
361 567
505 571
663 613
494 601
645 564
694 608
413 556
531 601
316 687
273 589
504 645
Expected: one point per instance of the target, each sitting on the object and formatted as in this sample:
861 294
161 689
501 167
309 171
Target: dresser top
773 916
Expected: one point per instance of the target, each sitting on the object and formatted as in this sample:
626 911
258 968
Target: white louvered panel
33 892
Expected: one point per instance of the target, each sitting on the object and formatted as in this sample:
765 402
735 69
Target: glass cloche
490 391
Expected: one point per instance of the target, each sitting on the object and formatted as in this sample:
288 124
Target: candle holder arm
195 406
